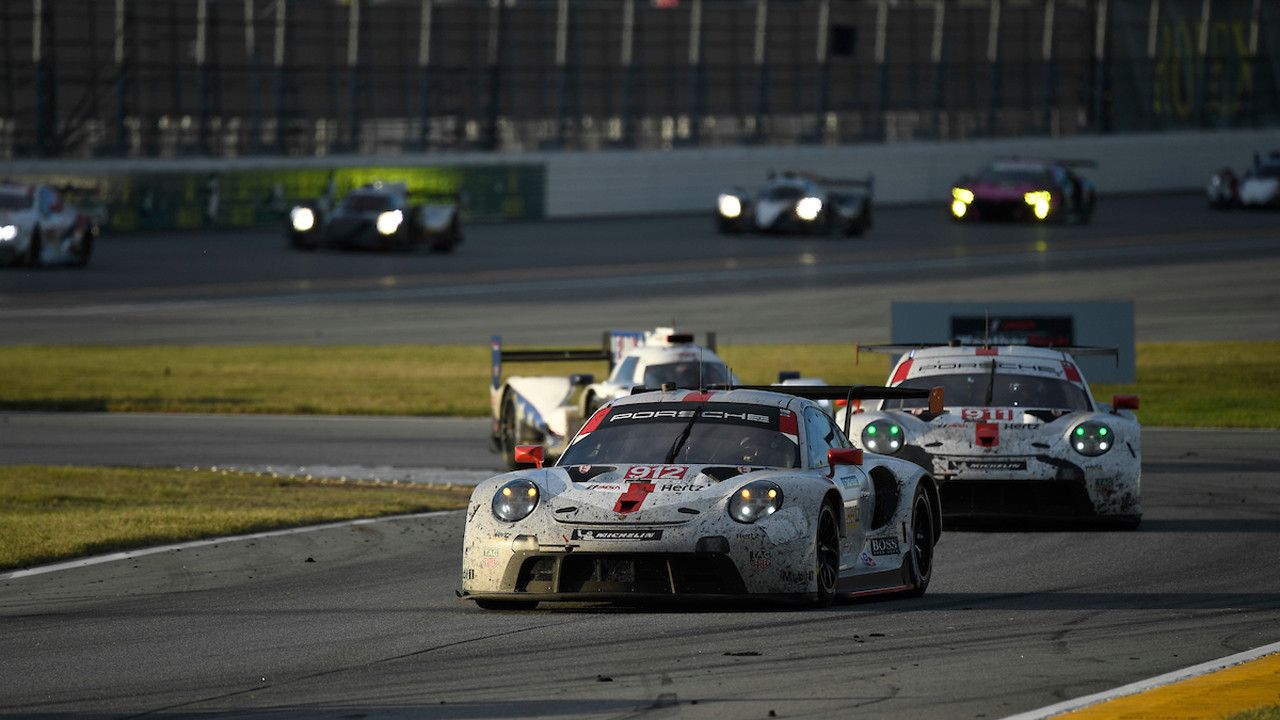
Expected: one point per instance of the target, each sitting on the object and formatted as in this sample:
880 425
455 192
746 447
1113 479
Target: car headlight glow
1092 438
755 500
302 219
964 195
389 222
808 208
729 205
8 232
1039 202
958 208
883 436
515 500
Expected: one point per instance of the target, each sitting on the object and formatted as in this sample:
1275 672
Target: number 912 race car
742 493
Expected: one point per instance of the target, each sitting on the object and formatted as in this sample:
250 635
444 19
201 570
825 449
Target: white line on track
1149 683
142 552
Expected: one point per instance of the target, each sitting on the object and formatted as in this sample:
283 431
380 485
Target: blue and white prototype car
1022 436
745 493
377 216
798 203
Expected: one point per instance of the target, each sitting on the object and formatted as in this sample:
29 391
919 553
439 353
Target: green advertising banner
246 198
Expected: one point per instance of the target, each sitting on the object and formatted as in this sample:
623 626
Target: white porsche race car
677 494
1022 436
546 410
38 228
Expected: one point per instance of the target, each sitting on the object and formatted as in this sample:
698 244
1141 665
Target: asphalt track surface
1013 621
1193 273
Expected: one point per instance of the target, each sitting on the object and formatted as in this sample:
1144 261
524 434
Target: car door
855 488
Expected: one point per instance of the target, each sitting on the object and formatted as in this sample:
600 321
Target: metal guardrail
224 78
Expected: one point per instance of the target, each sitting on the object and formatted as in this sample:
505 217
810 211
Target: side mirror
1124 402
843 456
529 456
581 379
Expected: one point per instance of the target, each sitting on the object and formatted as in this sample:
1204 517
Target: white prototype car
679 494
1021 436
37 227
546 410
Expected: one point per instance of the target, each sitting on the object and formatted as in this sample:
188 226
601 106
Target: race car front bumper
1034 487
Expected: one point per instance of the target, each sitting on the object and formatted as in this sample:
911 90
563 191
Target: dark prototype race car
1020 189
798 203
377 216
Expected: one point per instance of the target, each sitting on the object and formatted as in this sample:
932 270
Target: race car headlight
729 206
389 222
963 195
302 219
8 232
808 208
1039 202
1092 438
515 500
882 436
755 500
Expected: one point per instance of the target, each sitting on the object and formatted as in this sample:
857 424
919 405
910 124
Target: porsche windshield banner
758 416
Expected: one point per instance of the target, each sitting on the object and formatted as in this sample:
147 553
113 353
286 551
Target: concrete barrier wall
587 184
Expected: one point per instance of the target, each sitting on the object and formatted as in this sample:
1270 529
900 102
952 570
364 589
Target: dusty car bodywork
1021 435
724 493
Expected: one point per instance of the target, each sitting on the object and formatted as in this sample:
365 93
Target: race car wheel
923 538
827 544
591 404
445 242
82 250
507 437
506 604
33 250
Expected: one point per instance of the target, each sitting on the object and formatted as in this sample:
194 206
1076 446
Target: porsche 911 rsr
1021 435
798 203
742 493
1259 188
377 216
1020 189
546 410
37 227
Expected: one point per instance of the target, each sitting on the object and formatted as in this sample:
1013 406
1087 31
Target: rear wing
614 344
1066 162
901 348
868 183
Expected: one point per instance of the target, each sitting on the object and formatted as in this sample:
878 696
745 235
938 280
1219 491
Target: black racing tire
590 404
447 241
485 604
924 536
1123 522
508 435
827 552
34 250
84 250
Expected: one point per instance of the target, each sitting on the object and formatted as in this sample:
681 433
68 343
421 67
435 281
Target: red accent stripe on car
787 422
595 421
697 397
986 434
1072 373
631 500
900 373
986 351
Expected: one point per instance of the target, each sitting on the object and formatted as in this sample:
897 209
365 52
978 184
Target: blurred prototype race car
798 203
546 410
742 493
377 216
37 227
1259 188
1022 189
1021 437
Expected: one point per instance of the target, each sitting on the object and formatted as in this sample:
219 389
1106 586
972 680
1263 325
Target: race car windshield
687 434
1006 390
685 375
13 201
1014 177
783 192
366 203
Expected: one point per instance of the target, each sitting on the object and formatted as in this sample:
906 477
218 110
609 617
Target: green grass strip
1263 713
54 513
1223 384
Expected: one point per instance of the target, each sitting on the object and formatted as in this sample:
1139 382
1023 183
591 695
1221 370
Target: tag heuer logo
626 535
884 546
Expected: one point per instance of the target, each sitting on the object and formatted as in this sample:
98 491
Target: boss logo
884 546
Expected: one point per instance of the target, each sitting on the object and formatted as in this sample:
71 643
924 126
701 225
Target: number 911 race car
744 493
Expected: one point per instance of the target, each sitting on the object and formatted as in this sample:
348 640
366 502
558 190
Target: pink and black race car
1022 189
